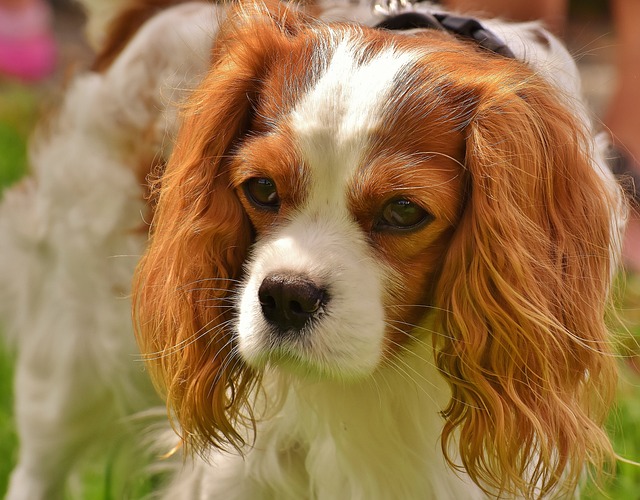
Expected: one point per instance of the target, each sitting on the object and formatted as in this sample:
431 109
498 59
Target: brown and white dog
379 258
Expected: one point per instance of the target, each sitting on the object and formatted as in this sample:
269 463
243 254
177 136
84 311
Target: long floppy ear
200 235
523 293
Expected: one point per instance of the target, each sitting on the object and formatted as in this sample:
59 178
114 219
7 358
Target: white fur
68 243
377 438
332 126
331 251
71 236
99 14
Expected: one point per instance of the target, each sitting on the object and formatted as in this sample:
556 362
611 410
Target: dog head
335 187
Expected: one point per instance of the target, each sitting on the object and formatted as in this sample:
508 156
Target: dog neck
373 438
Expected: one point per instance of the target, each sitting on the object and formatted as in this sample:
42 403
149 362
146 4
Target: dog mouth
289 327
296 324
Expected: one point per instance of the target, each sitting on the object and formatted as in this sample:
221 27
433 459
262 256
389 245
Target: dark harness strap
466 27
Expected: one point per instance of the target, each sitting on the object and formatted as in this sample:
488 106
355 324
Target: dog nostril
309 307
267 301
288 302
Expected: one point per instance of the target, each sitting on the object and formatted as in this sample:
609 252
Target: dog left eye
402 214
262 192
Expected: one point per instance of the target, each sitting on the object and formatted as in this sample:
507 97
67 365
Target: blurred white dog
71 234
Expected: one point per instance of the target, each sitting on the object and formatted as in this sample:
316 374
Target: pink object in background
27 46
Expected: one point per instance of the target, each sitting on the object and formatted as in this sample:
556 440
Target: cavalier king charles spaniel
381 247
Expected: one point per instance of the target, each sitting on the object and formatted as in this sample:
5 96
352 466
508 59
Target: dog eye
402 214
262 192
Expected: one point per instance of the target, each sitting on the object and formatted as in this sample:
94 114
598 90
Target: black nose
289 301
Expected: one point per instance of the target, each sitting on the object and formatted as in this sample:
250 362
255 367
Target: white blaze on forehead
331 125
333 122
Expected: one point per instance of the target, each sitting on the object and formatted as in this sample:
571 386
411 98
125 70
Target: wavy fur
522 289
525 347
200 237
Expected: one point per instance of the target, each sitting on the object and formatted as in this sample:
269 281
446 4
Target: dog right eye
262 193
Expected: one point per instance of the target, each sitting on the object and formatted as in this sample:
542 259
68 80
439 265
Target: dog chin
303 368
297 354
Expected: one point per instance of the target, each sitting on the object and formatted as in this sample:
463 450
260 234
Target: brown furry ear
523 293
200 236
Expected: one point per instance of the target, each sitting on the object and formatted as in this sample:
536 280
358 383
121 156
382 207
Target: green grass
625 434
18 111
8 439
17 114
626 438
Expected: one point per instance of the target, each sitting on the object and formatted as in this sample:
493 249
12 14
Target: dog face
336 188
350 213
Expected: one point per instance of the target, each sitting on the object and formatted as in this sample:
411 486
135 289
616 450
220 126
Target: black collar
466 27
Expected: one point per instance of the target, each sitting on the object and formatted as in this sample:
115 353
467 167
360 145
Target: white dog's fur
70 238
71 235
